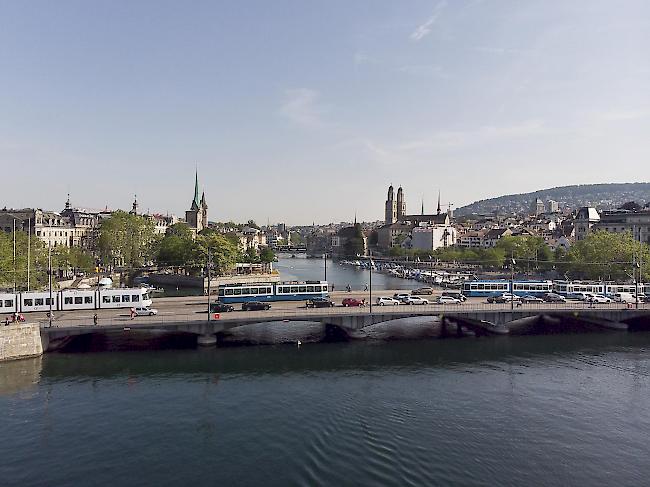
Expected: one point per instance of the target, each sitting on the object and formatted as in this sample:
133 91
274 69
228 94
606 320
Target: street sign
217 316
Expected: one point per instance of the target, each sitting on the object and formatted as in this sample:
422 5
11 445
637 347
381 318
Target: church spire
67 202
438 210
196 200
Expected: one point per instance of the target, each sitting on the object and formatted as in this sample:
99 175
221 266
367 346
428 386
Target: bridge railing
276 314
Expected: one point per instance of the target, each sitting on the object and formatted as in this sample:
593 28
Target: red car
349 302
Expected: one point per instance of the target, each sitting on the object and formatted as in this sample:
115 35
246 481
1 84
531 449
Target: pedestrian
365 288
95 319
349 288
6 321
132 313
332 287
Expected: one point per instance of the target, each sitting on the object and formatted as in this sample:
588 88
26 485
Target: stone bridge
480 321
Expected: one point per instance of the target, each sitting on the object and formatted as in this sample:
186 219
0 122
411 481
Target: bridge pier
207 340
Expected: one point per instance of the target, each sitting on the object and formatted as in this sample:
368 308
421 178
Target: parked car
599 299
255 306
554 298
401 296
576 296
455 294
415 300
624 297
385 301
531 299
353 302
423 291
503 298
448 300
319 303
221 307
145 311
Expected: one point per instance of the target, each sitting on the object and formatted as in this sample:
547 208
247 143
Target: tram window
237 291
106 299
294 289
38 301
303 289
88 300
229 292
221 292
67 300
126 298
28 302
78 300
318 289
135 298
473 287
245 290
116 299
145 296
49 301
310 289
254 290
9 303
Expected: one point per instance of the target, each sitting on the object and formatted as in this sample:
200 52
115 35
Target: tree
37 261
354 244
127 238
223 252
631 206
252 224
267 255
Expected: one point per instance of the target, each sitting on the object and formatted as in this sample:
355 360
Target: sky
302 112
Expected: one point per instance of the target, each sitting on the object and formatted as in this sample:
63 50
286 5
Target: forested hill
610 195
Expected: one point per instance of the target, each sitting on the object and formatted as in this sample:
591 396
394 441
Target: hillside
602 196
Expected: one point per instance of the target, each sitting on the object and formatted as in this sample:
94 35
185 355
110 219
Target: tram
485 288
74 299
267 291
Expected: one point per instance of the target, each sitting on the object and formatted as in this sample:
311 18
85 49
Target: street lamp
512 283
325 265
209 264
49 277
637 276
370 286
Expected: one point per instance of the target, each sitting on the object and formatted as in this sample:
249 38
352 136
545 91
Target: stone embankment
20 340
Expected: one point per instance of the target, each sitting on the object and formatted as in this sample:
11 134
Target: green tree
127 238
354 245
223 252
267 255
37 261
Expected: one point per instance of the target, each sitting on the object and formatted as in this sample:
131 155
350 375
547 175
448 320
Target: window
229 292
49 301
135 298
126 298
294 289
78 300
88 300
221 292
67 300
38 302
106 299
302 289
28 302
9 303
145 296
310 289
237 291
255 290
245 290
116 299
318 289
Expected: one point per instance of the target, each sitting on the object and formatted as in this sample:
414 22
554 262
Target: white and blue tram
266 291
566 288
485 288
74 299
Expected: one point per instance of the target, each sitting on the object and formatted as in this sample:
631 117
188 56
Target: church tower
197 216
391 207
401 205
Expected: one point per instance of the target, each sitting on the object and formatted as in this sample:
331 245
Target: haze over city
304 112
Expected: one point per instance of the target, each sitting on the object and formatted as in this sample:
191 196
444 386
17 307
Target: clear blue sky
306 111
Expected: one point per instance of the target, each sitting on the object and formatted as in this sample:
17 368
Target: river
512 411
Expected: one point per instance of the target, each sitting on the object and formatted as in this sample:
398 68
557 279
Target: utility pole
325 264
370 287
49 274
512 282
14 256
209 279
29 247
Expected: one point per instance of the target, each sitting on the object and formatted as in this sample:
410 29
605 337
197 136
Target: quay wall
20 341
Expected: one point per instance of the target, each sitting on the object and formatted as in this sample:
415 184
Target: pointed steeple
422 206
134 209
355 218
438 210
67 203
196 202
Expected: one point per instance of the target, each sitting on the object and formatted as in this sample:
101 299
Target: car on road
353 302
401 296
599 299
319 303
503 298
531 299
145 311
221 308
386 301
422 291
455 294
448 300
255 306
624 297
554 298
415 300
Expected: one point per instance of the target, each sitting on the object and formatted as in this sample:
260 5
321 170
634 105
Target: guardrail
163 319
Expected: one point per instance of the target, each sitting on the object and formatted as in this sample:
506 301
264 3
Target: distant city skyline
306 113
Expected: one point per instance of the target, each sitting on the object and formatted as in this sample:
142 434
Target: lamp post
370 286
325 264
209 279
49 277
637 276
512 283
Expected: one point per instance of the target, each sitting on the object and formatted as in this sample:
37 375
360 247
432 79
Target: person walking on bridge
95 319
